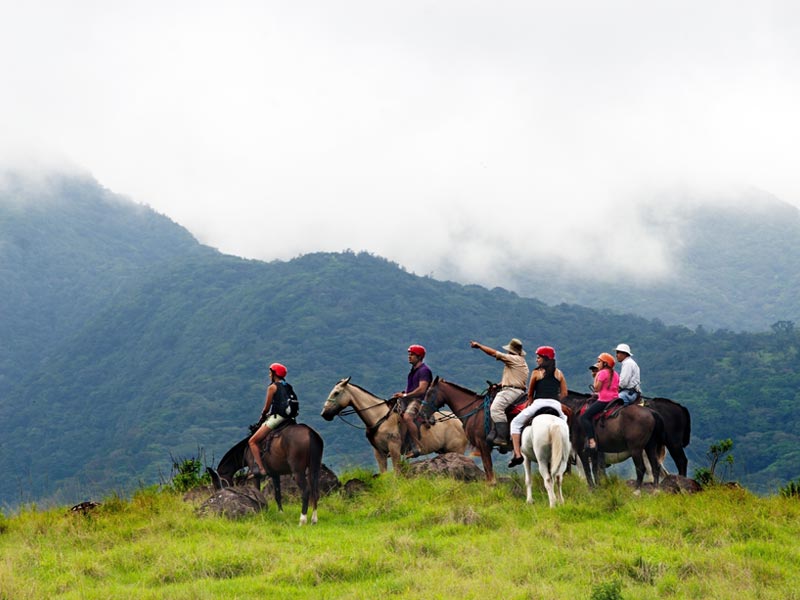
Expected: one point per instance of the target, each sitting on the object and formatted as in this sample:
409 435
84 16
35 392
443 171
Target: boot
492 434
501 439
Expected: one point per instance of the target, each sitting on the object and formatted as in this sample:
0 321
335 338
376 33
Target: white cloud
444 135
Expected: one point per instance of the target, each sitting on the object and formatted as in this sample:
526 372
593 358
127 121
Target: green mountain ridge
175 361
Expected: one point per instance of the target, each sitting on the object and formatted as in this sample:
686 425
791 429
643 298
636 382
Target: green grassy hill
415 538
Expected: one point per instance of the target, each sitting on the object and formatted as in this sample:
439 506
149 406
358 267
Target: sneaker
517 460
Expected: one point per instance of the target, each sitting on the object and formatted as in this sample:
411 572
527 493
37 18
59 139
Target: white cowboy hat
624 348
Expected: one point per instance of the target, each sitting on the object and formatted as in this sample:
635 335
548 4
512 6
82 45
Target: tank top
547 387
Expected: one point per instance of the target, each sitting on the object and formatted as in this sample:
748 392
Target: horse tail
659 434
557 453
687 430
316 447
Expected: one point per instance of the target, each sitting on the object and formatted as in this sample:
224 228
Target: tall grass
413 538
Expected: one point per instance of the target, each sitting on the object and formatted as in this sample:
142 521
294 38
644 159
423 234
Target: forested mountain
166 352
736 265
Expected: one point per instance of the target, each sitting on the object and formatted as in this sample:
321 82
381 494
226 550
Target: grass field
414 538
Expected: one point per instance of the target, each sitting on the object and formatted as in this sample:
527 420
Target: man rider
419 378
629 378
513 385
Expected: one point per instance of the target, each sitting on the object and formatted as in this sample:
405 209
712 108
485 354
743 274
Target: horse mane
355 385
457 386
578 394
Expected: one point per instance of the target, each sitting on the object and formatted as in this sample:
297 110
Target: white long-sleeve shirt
629 377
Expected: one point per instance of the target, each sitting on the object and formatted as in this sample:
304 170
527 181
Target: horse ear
347 380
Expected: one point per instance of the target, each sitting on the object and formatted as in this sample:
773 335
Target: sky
452 137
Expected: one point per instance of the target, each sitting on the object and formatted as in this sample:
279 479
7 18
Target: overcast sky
445 135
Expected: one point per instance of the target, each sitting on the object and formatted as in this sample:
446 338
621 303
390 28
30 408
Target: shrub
791 489
188 473
716 454
609 590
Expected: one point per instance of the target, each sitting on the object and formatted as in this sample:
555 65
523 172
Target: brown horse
471 409
382 423
293 448
634 429
677 429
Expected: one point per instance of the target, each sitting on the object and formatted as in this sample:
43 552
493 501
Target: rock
676 484
451 464
353 487
234 502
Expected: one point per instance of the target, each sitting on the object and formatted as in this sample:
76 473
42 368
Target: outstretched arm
490 351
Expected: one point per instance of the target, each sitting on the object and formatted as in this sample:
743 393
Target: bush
609 590
791 489
188 473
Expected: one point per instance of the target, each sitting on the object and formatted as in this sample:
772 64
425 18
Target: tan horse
383 424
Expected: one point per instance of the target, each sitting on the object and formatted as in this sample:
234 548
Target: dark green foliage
791 489
609 590
188 473
718 453
104 372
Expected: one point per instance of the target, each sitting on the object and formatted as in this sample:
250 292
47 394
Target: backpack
285 402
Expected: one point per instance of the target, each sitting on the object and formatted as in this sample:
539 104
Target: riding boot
492 434
501 439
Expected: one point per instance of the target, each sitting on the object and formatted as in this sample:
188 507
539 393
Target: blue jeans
628 396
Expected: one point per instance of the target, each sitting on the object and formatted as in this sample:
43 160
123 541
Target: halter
352 410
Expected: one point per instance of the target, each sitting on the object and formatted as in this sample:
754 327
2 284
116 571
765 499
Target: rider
629 377
515 376
546 389
606 386
419 378
269 418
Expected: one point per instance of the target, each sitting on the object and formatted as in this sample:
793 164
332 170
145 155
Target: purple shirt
419 373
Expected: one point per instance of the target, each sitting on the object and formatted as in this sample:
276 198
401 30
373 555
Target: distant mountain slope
737 266
170 356
66 247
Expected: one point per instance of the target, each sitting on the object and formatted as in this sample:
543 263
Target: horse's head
337 400
433 400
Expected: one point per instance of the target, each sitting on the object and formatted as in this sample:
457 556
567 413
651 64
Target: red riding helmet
607 358
278 369
547 352
417 349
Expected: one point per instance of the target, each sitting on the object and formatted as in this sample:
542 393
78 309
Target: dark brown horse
634 430
294 448
677 426
471 409
677 429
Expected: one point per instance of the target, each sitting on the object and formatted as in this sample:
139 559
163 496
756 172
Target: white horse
546 442
383 424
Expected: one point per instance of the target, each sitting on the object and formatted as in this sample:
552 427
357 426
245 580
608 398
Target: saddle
611 412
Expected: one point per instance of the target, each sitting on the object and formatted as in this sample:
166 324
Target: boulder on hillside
677 484
328 482
234 502
451 464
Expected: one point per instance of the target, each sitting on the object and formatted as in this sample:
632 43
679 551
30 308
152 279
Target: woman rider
545 390
606 386
277 373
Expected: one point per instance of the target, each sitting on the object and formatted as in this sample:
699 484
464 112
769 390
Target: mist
462 140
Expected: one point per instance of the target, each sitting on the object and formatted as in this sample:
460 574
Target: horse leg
526 465
302 484
679 458
652 455
381 459
276 484
638 461
486 460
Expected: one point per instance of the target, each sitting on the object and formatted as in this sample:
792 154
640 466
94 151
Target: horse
546 442
383 424
635 430
294 449
677 430
471 409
